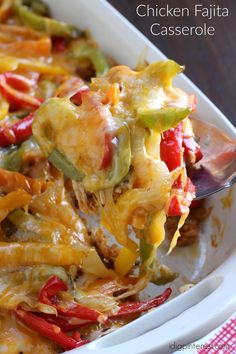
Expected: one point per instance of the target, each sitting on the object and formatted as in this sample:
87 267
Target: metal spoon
217 169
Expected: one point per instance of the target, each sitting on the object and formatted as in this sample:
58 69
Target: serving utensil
217 169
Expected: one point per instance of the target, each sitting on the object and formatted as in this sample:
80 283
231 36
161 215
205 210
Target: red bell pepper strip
19 82
125 309
66 324
59 44
70 87
47 296
176 208
54 284
17 99
51 288
17 132
79 311
178 183
179 186
192 151
76 336
108 152
48 330
77 97
171 147
130 308
189 186
183 192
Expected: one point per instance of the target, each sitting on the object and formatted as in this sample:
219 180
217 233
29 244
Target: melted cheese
16 338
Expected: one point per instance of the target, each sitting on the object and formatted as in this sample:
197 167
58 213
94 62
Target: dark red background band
210 61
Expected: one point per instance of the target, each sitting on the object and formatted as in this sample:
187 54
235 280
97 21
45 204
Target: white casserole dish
195 313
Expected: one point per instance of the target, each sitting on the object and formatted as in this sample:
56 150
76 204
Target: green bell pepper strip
146 250
163 275
37 229
157 274
45 24
37 6
63 164
59 160
103 178
162 119
11 157
147 255
95 55
120 166
163 72
160 75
